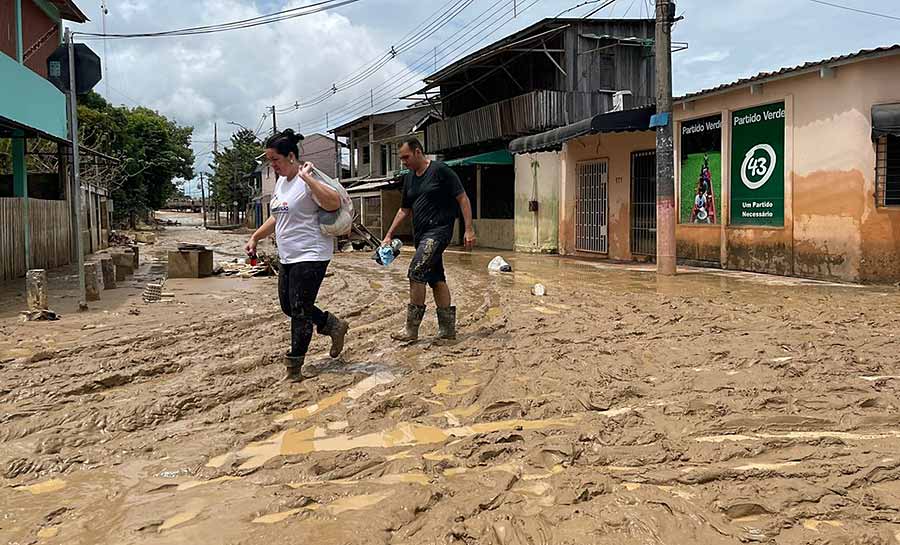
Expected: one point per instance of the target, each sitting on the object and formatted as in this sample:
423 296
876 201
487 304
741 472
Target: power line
391 86
482 19
856 10
284 15
442 18
495 69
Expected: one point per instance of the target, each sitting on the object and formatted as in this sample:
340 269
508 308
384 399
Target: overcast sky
235 76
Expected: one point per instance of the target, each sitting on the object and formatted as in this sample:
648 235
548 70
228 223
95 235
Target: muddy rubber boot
337 330
446 323
293 366
414 316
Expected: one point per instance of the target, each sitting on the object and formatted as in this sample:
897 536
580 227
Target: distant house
375 168
321 150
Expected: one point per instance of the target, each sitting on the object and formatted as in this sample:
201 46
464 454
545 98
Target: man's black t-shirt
432 197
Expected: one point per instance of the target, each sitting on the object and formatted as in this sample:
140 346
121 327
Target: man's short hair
413 144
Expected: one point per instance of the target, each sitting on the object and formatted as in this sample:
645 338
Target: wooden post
91 281
108 269
36 288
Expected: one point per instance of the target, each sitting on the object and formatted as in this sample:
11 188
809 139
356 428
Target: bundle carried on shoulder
339 222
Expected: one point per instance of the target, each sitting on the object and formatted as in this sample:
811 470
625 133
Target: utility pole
76 171
274 124
103 13
216 150
203 198
665 152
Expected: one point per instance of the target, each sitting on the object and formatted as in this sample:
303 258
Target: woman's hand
250 248
306 171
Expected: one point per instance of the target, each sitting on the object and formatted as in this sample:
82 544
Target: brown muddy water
712 408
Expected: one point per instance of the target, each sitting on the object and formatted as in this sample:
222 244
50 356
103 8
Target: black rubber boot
446 323
337 330
293 368
414 316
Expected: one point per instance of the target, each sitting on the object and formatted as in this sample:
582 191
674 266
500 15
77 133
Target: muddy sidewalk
711 408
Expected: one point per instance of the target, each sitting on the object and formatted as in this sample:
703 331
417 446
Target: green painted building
30 106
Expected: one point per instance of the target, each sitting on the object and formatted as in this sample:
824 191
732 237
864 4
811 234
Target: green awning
499 157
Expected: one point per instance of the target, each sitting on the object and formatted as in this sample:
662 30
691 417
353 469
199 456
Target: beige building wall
833 228
616 149
537 178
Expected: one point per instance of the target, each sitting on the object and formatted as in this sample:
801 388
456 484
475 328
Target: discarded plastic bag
538 290
498 264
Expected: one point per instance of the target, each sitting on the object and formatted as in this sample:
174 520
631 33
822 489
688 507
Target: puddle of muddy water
355 392
53 485
296 442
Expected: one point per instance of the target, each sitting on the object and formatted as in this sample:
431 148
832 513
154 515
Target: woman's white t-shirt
297 223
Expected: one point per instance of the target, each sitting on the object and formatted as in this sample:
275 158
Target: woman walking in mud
303 250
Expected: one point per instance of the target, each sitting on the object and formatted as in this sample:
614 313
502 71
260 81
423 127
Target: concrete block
190 264
124 262
36 288
92 282
108 270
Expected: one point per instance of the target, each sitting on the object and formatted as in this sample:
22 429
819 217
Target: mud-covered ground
712 408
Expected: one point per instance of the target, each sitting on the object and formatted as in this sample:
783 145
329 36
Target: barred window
887 171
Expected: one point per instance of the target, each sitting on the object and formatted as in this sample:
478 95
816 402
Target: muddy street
713 408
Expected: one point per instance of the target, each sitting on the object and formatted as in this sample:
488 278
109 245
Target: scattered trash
538 290
40 315
134 312
242 269
498 264
120 239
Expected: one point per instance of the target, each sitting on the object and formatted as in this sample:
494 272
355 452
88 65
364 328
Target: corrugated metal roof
636 119
373 186
762 77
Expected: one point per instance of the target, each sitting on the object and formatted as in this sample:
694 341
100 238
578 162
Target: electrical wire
391 85
495 69
856 10
441 18
284 15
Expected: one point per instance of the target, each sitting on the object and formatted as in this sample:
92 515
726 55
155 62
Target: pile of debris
242 269
120 239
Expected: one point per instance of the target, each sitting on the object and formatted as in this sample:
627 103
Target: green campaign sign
757 166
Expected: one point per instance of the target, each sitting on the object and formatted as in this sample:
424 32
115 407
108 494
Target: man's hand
388 238
470 239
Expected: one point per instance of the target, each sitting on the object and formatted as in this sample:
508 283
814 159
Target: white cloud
712 56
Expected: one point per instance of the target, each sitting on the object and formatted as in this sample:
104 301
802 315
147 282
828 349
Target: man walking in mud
433 196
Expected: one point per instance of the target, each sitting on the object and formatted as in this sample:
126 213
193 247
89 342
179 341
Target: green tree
232 168
153 152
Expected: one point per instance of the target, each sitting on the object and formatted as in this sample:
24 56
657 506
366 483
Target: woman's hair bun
293 137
